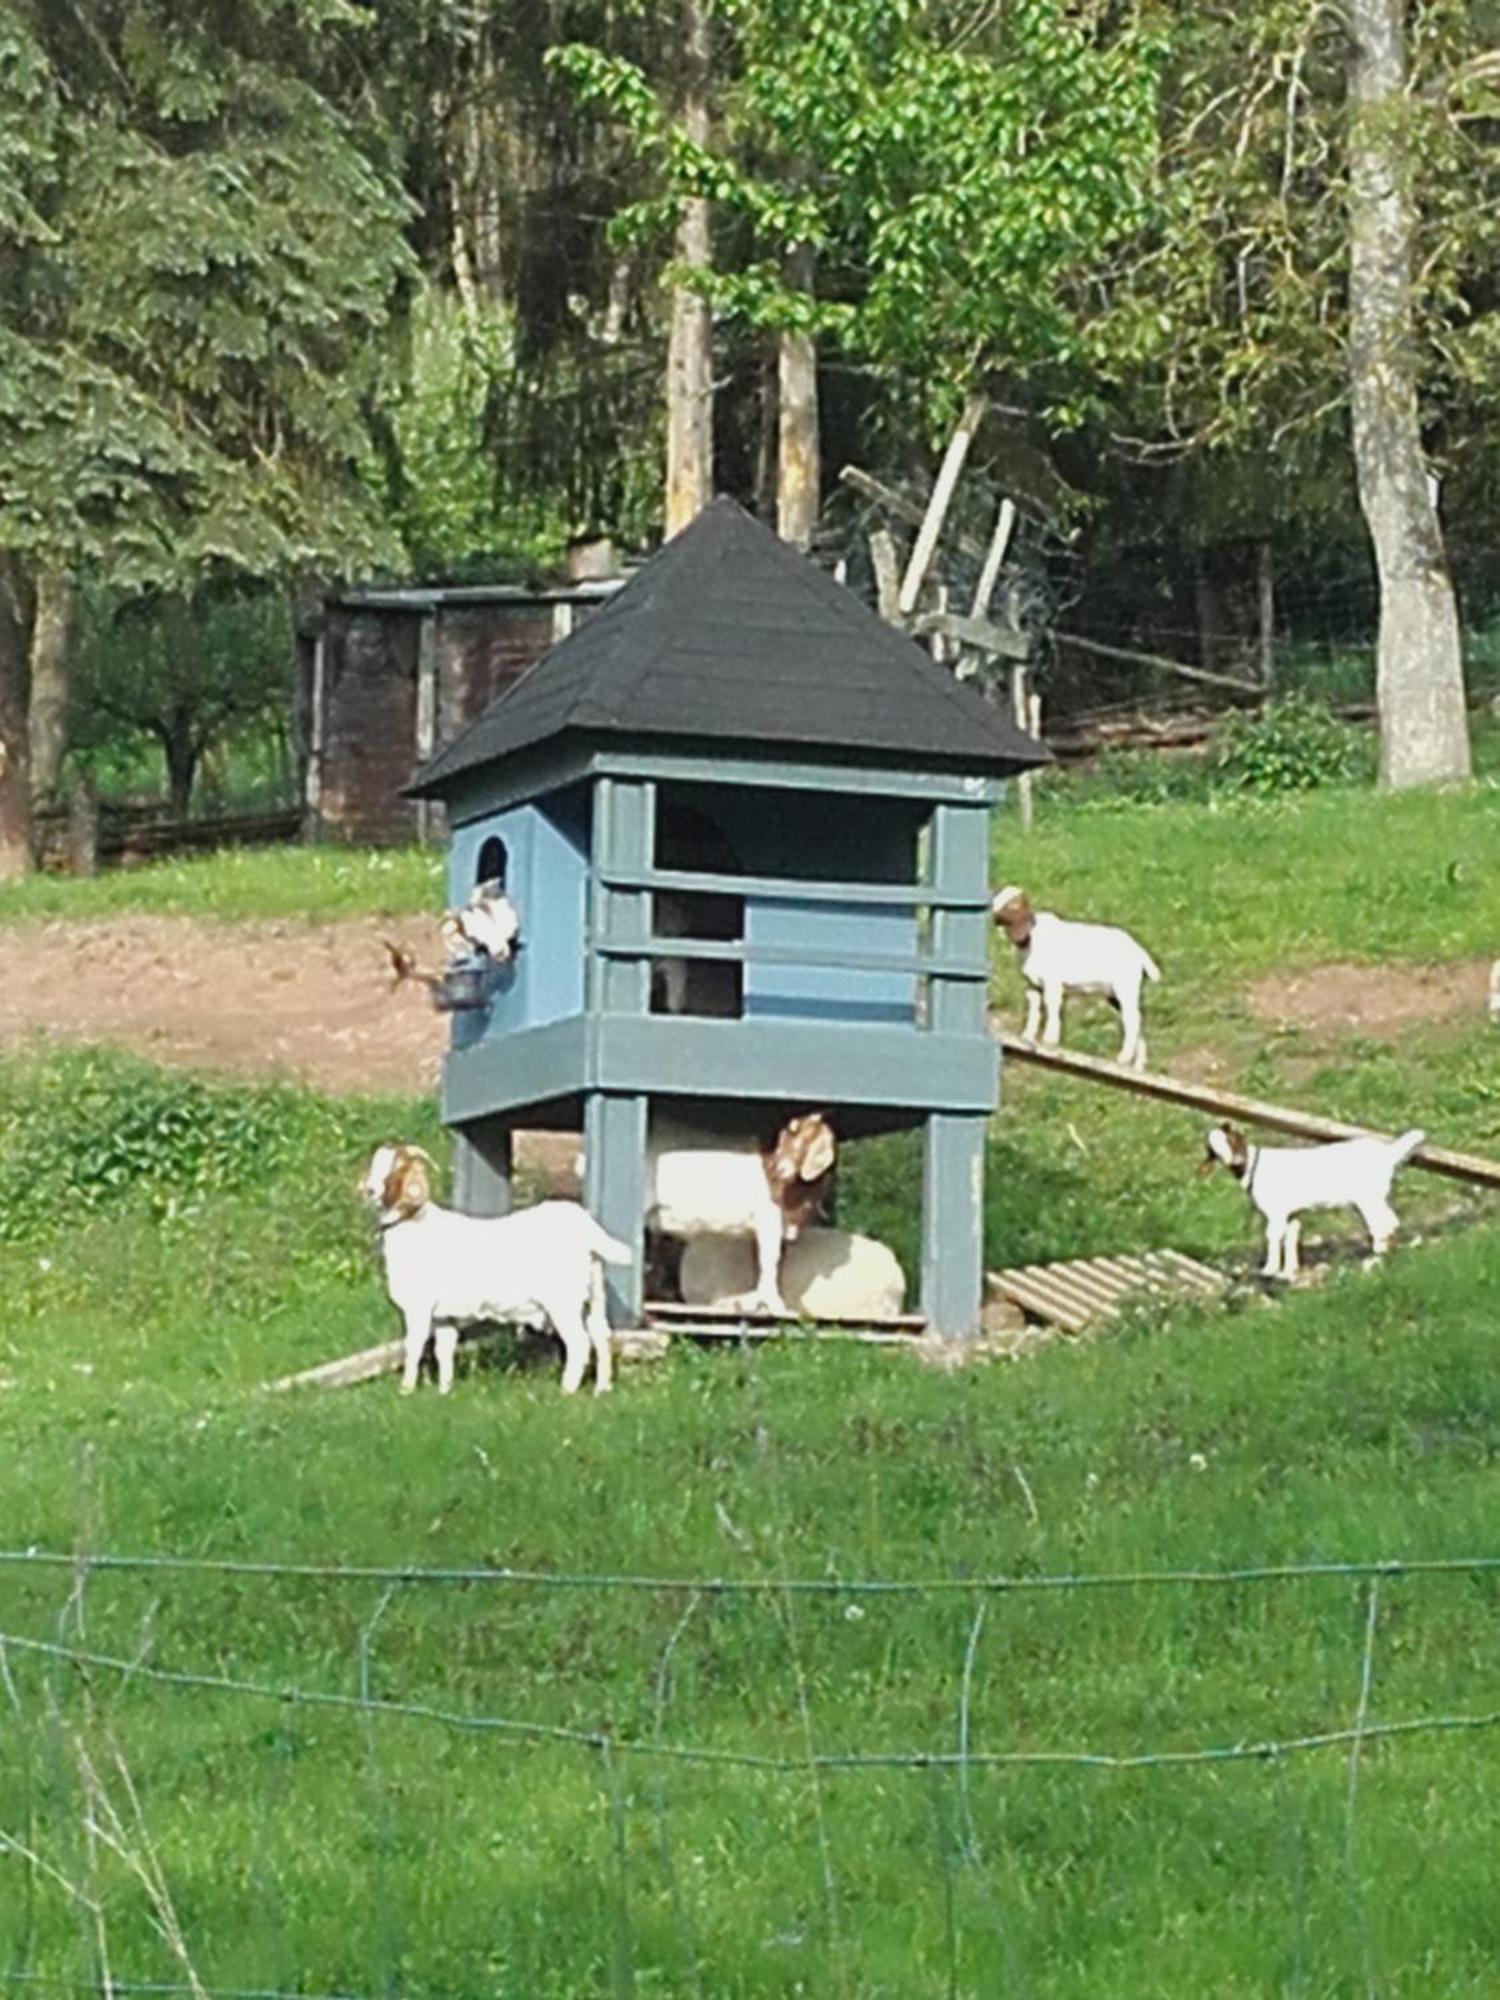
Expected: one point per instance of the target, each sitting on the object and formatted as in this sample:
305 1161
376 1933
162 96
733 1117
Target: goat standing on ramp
1059 956
443 1271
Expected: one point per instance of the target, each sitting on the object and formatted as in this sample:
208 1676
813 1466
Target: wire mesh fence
132 1769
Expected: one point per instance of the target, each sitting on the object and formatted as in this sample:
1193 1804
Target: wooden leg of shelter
482 1167
614 1188
952 1222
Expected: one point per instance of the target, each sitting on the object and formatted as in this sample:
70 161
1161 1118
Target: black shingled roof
728 634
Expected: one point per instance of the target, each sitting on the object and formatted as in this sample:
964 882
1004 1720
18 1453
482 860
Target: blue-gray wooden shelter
746 828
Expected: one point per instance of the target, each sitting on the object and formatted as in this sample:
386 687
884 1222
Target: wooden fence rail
85 836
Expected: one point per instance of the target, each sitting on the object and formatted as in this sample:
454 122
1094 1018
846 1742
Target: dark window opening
693 842
489 870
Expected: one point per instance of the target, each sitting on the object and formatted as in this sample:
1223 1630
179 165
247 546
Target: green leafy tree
959 179
1330 229
198 252
185 673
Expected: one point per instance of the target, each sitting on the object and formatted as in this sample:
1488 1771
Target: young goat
1059 956
698 1185
1282 1181
444 1271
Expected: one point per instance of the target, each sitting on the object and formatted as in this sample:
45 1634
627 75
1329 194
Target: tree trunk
1424 733
798 463
181 748
690 435
52 636
1265 612
767 427
15 776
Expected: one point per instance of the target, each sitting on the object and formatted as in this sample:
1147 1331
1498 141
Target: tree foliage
960 179
199 256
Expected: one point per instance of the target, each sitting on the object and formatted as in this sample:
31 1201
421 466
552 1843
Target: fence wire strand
761 1586
597 1740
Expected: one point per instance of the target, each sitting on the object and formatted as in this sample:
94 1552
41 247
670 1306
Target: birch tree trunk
690 417
15 777
1424 735
798 458
52 636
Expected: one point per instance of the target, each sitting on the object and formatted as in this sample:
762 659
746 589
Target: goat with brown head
398 1184
1013 914
799 1164
1226 1146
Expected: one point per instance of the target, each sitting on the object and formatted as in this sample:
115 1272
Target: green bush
84 1134
1294 744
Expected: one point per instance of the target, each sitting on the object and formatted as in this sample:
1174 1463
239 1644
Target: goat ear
415 1182
815 1151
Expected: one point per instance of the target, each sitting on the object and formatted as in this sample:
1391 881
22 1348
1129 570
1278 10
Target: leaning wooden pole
1229 1104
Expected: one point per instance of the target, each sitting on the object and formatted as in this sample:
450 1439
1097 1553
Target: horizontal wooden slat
816 956
792 889
670 1311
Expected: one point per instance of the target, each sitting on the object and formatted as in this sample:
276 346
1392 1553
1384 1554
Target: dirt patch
1372 999
306 1002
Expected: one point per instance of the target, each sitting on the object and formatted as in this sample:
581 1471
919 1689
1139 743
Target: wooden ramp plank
1469 1167
1081 1292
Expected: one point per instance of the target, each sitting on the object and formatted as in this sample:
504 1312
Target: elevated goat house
746 827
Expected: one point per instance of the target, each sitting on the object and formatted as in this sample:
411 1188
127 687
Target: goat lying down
825 1274
1284 1181
699 1184
1059 956
444 1271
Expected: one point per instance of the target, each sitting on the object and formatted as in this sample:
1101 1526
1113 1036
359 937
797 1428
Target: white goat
703 1185
825 1274
1282 1181
1059 956
444 1270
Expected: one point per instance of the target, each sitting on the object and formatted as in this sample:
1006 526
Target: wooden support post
887 575
989 576
1265 593
614 1189
953 1148
83 829
624 843
952 1221
426 720
312 792
938 505
482 1167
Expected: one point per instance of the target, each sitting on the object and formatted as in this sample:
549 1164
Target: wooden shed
746 828
386 676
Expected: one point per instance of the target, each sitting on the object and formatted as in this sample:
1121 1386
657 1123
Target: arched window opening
490 868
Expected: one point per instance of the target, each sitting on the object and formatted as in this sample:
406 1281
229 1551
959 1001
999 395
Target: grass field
167 1245
313 883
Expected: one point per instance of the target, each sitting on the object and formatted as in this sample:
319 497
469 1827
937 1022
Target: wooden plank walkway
1079 1294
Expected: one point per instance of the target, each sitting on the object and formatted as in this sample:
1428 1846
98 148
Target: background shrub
1294 744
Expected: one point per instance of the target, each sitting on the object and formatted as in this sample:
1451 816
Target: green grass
305 883
167 1245
322 1850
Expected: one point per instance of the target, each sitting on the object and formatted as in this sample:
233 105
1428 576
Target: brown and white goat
699 1184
